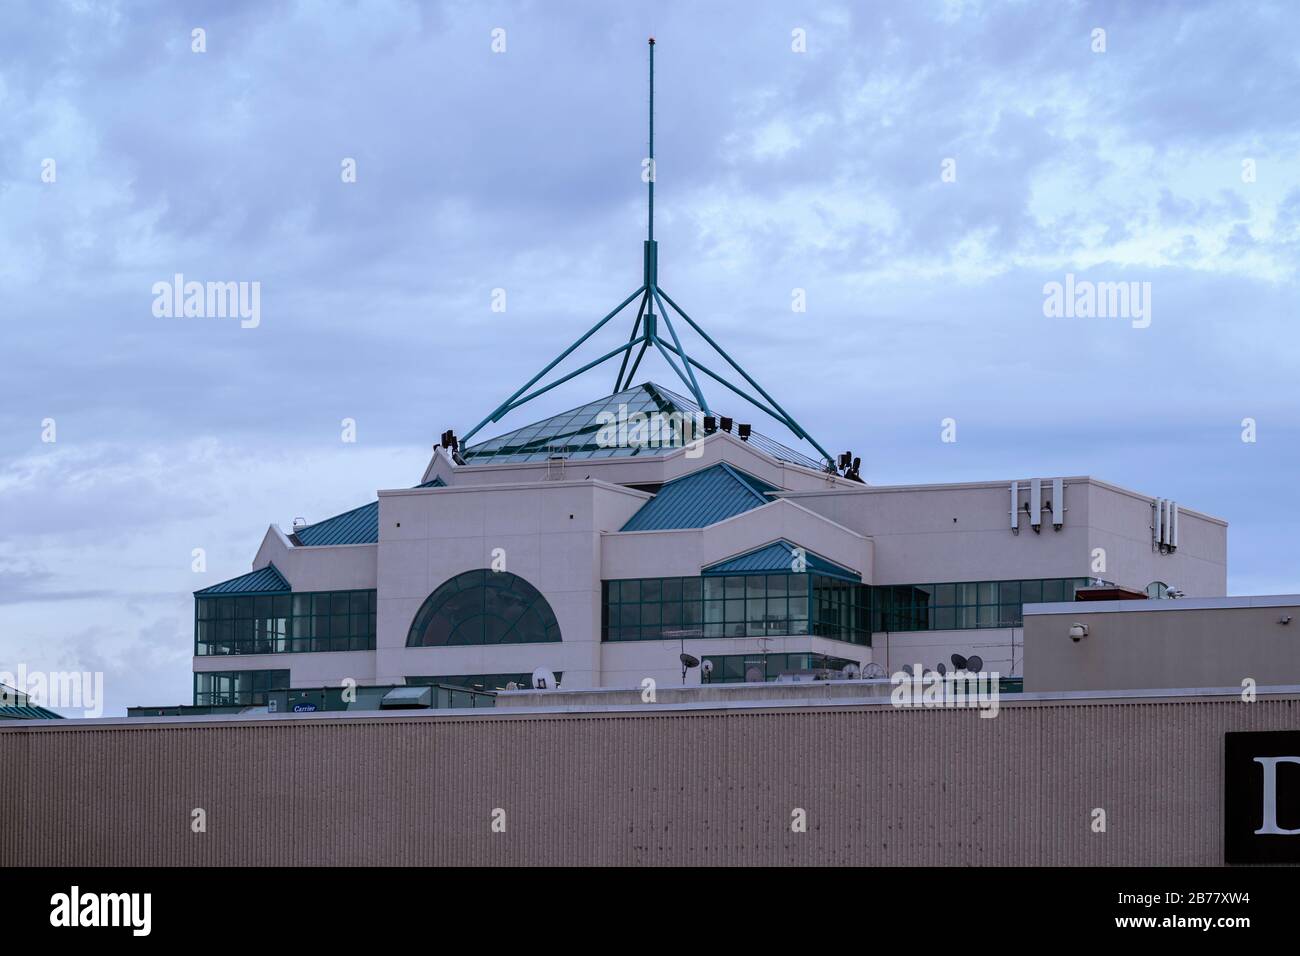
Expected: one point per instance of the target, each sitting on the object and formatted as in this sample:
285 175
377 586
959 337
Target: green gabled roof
358 526
700 499
574 434
267 580
778 558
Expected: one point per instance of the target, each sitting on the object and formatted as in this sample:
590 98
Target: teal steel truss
646 334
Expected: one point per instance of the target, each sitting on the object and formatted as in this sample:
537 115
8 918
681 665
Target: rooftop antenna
646 334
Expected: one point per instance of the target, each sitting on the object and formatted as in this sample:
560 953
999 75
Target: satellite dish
959 662
942 668
687 663
874 671
512 685
706 667
975 663
754 675
850 671
543 679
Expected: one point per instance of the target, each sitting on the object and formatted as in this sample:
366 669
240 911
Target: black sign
1261 797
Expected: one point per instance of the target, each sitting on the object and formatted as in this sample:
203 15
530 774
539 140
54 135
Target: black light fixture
846 460
450 441
710 424
726 424
745 430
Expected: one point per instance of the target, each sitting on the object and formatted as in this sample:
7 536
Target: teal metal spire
645 333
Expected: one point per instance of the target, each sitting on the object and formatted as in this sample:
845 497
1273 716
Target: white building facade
603 559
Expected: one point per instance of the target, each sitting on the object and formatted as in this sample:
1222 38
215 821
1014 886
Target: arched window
483 607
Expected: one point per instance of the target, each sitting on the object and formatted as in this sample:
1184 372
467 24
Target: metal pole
650 231
636 327
695 386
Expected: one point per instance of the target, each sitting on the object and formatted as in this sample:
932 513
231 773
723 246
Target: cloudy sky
1171 158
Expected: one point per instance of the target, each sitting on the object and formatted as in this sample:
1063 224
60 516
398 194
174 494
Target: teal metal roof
700 499
573 434
28 713
358 526
777 558
267 580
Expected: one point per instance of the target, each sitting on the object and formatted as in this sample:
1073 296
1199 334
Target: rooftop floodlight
744 430
846 460
726 424
656 312
710 424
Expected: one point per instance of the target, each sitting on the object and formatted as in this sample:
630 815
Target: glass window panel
630 591
1054 590
651 590
1010 592
1031 592
945 618
755 586
672 589
692 589
735 587
945 595
988 592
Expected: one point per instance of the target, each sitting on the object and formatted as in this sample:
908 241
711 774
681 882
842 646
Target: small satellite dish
512 685
942 668
687 663
959 662
706 667
850 671
543 679
975 663
874 671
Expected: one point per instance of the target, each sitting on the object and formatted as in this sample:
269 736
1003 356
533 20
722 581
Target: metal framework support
506 406
645 333
785 416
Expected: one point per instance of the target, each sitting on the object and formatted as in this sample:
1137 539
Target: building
705 776
624 539
1236 642
613 560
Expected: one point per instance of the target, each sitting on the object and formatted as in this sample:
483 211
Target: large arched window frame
483 607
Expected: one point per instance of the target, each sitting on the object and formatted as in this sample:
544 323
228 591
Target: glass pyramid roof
576 434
